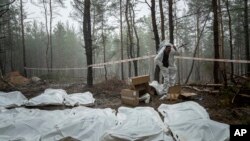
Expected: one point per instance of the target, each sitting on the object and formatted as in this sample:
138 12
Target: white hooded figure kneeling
167 64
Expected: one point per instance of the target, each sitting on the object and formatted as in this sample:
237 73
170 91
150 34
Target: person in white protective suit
167 64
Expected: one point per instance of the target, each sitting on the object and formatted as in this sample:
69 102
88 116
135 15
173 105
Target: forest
206 29
99 48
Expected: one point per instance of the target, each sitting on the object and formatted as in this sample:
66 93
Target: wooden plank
186 95
140 80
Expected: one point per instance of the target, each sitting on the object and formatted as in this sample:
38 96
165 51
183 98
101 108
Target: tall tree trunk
10 40
221 29
177 41
1 67
88 40
104 47
23 40
216 41
230 40
171 22
50 35
157 39
128 56
47 32
162 21
94 39
130 36
121 34
246 35
137 41
196 47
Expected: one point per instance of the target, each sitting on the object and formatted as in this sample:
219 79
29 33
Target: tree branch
3 5
147 4
2 12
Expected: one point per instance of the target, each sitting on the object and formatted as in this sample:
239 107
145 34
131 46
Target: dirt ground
107 95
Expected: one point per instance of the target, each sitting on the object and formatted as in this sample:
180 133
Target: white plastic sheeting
76 99
141 123
158 87
49 97
189 121
60 97
81 123
12 99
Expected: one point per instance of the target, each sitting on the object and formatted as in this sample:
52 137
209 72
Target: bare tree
221 44
44 2
230 40
130 28
88 40
199 35
129 36
216 41
246 34
104 45
23 40
10 40
137 40
121 34
156 36
50 34
171 22
162 21
4 10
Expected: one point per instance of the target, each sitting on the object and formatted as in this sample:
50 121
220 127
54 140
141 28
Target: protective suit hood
164 43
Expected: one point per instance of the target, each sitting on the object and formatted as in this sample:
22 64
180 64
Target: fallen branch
207 85
201 91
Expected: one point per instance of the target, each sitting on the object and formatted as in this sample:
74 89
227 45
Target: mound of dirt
3 85
16 78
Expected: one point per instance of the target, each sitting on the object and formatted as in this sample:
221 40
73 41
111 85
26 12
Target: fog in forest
47 38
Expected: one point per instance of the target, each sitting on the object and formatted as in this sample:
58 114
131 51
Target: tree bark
216 41
162 21
246 35
230 40
94 38
10 40
137 42
171 22
121 34
130 35
198 44
104 47
47 32
157 39
88 40
50 35
23 39
222 65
